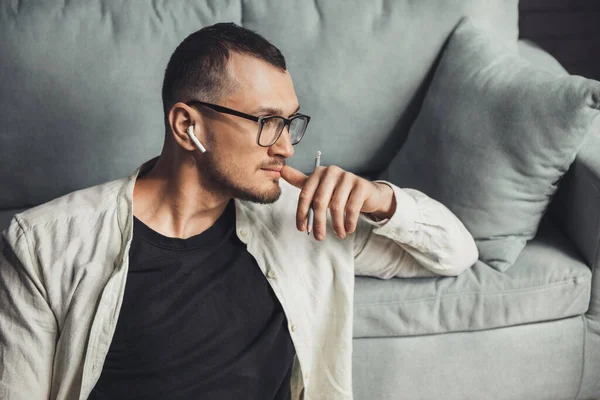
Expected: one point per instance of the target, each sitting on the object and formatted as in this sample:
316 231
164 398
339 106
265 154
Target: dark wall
568 29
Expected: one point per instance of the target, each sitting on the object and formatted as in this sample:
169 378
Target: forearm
433 236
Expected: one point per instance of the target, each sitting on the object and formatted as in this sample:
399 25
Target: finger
293 176
322 198
353 206
306 196
337 206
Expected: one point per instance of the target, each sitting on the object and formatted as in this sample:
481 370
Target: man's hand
344 193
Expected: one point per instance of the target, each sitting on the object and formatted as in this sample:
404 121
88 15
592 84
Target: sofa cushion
359 67
548 281
80 81
493 139
80 89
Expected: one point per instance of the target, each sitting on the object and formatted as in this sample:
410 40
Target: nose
283 145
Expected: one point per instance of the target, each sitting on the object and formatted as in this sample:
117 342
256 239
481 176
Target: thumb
293 176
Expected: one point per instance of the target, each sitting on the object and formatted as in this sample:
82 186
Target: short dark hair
197 67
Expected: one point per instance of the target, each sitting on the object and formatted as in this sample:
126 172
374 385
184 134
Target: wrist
388 202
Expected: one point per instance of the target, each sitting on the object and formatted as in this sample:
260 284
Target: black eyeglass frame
260 120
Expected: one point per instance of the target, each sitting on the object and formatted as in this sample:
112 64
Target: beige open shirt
63 270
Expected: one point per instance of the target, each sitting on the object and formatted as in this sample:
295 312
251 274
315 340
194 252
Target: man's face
232 165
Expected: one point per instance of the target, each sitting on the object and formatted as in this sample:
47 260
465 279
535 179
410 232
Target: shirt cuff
404 217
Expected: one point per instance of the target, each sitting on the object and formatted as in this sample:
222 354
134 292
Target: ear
180 117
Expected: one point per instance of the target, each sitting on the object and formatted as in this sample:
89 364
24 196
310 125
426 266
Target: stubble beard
225 183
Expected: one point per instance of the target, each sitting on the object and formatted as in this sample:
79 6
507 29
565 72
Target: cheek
239 167
238 157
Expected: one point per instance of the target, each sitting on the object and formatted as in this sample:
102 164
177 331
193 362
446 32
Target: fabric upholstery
358 66
539 57
576 209
80 97
549 281
528 362
80 81
576 204
493 138
80 105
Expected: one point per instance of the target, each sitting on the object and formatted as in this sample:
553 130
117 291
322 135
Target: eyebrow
273 110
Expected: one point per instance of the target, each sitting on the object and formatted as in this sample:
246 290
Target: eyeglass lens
272 127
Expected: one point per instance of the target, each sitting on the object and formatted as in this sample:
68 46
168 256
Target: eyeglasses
269 128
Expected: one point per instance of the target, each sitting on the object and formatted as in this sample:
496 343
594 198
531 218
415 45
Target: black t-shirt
198 321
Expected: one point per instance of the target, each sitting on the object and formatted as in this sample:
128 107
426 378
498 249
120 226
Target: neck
174 200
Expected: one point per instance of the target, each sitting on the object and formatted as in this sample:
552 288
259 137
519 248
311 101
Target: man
194 278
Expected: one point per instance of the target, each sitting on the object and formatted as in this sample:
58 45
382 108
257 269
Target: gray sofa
80 105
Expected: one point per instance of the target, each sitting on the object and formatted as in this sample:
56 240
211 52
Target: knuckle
352 210
336 206
320 202
304 195
362 187
350 176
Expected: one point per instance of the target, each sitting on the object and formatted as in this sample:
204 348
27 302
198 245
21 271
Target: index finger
306 197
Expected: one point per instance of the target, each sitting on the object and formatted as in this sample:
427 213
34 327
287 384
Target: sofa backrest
80 81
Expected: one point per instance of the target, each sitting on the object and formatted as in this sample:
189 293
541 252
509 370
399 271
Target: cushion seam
575 280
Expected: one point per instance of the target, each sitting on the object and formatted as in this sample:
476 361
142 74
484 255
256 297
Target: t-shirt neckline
212 236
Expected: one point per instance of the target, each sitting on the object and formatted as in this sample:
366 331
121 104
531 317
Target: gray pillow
492 139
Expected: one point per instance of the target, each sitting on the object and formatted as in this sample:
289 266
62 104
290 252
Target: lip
272 172
277 168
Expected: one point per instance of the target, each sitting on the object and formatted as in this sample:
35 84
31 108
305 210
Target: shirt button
271 274
305 377
293 328
243 232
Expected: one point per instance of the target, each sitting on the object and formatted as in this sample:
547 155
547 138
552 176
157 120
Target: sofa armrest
576 209
539 57
576 205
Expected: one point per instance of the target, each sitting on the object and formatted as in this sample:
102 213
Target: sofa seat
549 281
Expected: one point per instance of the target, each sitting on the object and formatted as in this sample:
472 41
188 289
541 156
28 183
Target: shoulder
83 204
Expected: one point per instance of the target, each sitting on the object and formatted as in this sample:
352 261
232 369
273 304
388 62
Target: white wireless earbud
190 132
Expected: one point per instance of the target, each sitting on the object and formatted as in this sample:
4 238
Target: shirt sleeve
28 328
422 239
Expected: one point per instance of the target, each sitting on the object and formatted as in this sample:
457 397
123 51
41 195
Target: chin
266 192
272 193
